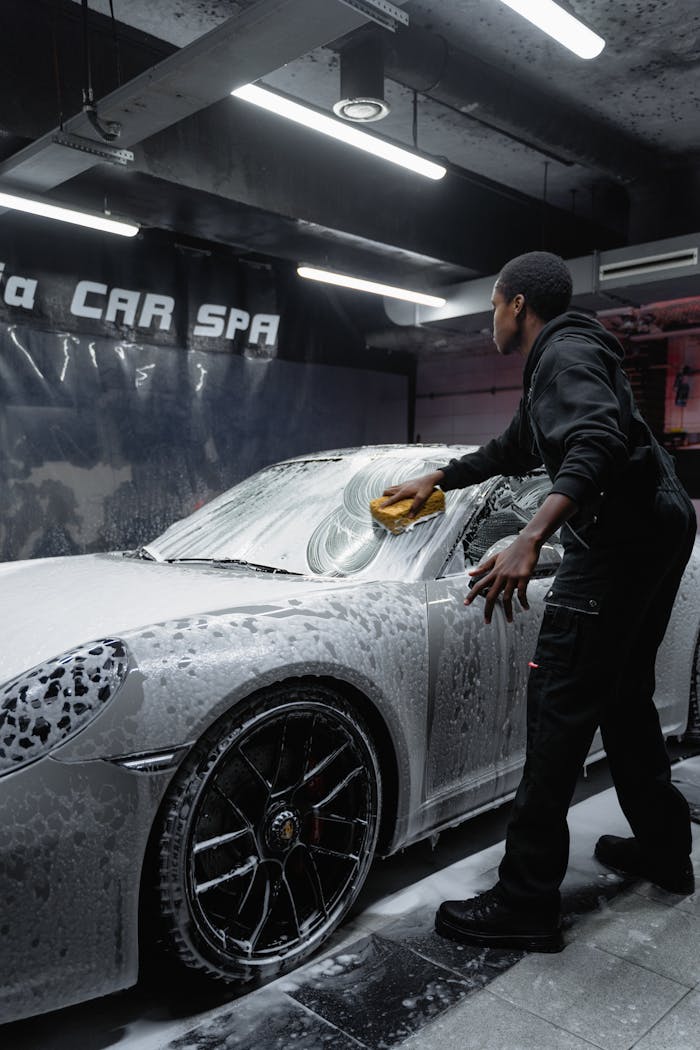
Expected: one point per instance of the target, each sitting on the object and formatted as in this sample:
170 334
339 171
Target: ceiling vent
649 264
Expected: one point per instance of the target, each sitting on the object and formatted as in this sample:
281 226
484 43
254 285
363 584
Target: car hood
49 605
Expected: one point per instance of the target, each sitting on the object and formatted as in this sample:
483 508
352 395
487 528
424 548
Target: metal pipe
424 61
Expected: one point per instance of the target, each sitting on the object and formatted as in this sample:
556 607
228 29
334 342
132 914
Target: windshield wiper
234 561
140 552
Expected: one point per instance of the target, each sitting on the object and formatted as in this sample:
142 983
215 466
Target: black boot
625 856
489 920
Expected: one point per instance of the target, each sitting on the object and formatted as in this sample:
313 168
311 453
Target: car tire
268 831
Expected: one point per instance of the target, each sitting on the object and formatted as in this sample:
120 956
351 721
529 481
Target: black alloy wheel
269 831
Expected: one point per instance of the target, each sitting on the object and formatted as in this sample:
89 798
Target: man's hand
504 574
512 568
417 489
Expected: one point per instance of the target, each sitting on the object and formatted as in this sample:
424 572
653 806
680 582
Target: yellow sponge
395 518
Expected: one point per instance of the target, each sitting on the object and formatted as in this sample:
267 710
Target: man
627 529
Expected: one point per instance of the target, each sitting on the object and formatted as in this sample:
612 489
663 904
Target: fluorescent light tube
558 23
361 285
55 211
337 129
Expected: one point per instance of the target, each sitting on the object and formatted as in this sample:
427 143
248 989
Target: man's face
507 320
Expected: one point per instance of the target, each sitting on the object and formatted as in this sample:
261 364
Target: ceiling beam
242 49
189 177
636 274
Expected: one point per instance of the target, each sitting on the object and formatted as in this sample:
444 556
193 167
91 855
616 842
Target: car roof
399 450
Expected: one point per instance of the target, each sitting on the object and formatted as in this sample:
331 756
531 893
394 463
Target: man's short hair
542 278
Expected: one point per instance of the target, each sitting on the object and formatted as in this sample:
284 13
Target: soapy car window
308 516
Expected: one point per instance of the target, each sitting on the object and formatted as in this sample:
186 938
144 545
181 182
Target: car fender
185 674
675 660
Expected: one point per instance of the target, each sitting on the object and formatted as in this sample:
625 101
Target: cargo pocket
558 645
588 605
554 670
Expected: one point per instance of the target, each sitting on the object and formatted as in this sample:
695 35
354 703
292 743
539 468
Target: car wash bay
141 376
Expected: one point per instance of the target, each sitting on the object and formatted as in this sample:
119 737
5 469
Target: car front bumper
72 851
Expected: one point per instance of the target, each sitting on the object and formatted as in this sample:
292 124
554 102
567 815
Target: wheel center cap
283 830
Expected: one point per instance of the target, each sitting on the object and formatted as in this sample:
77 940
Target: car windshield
306 516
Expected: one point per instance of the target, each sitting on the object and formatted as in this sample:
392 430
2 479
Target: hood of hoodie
575 325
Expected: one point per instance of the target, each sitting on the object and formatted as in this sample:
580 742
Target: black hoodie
577 416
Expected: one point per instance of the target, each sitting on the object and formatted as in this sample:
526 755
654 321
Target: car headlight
47 705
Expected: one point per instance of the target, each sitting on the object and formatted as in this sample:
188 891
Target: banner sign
106 443
166 294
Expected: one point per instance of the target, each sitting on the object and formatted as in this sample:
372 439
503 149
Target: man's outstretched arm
502 455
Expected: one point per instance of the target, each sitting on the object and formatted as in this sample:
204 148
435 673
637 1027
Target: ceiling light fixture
56 211
362 82
558 23
361 285
361 110
311 118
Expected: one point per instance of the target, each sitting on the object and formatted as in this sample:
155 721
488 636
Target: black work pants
605 618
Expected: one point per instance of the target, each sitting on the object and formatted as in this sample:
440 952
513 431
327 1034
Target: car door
476 725
469 682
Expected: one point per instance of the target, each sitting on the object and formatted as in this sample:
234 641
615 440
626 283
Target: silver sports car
206 741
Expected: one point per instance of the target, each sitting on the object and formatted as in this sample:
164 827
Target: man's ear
518 304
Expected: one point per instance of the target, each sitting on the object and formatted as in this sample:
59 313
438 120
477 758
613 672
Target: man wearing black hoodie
627 529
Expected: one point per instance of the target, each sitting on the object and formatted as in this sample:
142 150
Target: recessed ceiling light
32 206
311 118
361 285
361 110
558 23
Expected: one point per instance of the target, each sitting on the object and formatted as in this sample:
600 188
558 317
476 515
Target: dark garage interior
144 375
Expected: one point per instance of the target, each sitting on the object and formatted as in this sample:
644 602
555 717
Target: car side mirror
547 563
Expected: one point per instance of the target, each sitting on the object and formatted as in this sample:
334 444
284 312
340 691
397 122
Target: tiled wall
464 415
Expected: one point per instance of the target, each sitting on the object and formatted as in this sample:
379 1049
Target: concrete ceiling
644 89
618 135
178 22
645 82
